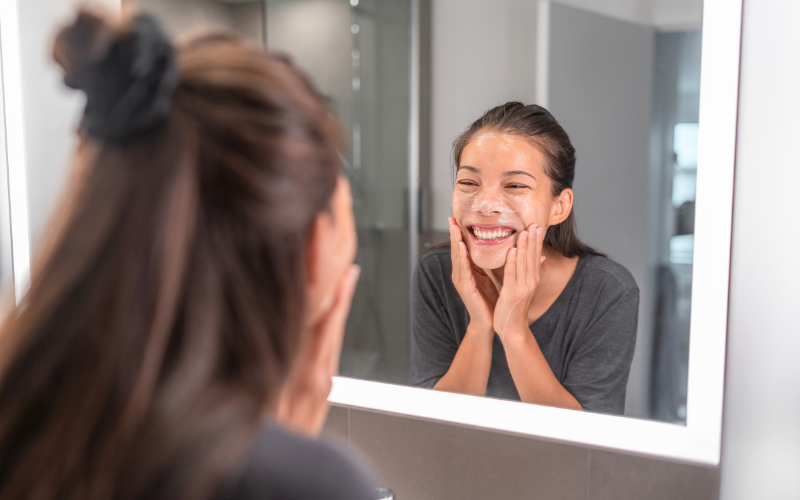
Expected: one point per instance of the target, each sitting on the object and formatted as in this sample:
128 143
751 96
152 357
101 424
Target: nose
488 202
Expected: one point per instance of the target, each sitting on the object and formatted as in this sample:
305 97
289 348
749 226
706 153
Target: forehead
494 152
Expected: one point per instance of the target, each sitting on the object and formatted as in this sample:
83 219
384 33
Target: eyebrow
507 173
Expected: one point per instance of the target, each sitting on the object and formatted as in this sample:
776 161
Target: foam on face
491 204
485 205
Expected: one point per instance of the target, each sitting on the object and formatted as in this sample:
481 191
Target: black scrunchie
129 91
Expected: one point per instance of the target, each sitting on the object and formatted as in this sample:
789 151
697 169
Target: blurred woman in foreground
190 303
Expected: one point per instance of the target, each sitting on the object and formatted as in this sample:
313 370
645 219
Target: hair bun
128 77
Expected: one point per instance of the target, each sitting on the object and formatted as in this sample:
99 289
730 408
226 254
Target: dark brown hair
538 126
167 308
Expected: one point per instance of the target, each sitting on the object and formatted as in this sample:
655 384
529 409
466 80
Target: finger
454 259
458 234
465 267
531 256
537 257
522 262
333 325
509 273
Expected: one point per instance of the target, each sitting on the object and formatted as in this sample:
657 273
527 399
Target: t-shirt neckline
563 294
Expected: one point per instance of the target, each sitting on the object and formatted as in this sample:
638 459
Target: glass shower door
357 53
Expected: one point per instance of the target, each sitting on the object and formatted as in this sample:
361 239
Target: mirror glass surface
622 79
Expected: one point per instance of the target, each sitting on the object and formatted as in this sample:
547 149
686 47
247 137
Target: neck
553 261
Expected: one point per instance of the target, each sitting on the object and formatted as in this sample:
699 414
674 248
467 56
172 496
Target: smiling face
501 189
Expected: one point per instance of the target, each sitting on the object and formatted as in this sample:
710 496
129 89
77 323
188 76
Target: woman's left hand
520 277
303 403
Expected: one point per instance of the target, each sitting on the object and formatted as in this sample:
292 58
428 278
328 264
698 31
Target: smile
490 235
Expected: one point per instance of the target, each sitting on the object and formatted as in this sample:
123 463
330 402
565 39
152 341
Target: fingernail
524 235
539 232
532 229
543 257
513 252
355 273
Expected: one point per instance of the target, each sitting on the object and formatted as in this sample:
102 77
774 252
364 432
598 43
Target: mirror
652 192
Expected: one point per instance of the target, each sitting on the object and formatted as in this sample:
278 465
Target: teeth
491 235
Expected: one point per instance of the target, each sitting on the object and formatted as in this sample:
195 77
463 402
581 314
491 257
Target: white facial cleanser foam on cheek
516 211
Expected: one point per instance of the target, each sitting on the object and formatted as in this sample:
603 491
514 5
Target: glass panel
357 52
677 94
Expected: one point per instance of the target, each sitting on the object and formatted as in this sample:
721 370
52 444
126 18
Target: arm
469 371
532 376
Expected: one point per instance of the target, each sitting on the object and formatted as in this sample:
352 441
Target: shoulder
433 271
288 466
436 260
604 270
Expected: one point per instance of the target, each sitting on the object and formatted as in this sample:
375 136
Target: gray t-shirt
286 466
587 336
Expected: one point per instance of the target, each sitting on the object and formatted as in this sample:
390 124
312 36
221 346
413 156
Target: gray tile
336 425
422 460
620 476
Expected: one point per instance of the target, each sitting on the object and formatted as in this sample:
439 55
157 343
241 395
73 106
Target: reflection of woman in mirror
517 307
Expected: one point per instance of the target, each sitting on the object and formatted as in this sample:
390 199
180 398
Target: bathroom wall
181 16
491 62
761 434
600 87
427 460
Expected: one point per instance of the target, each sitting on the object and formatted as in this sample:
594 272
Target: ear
561 208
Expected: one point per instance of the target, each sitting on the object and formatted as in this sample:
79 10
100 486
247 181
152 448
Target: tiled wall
426 460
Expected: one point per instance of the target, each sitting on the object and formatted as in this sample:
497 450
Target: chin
489 258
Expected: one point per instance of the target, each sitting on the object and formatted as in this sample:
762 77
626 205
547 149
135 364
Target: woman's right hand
473 285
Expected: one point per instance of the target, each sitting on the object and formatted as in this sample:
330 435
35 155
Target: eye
516 186
467 183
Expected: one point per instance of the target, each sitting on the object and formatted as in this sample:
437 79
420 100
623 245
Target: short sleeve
597 372
435 343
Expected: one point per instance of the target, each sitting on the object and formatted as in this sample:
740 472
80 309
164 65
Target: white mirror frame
699 440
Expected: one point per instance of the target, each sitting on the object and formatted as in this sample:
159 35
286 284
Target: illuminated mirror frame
699 440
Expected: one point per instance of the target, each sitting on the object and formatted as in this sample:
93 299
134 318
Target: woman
517 307
182 325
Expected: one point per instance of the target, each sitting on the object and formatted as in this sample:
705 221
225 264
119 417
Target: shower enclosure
358 53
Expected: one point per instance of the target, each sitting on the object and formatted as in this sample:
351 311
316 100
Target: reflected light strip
543 53
15 145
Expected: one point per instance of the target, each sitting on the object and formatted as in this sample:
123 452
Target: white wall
52 111
666 15
761 422
600 81
180 16
482 56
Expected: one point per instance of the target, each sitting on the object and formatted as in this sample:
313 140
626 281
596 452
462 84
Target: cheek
461 202
531 210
